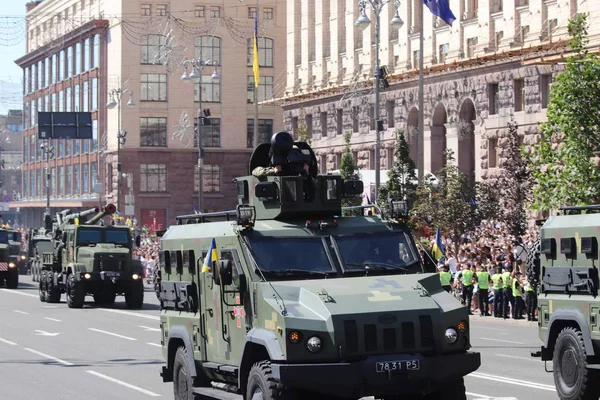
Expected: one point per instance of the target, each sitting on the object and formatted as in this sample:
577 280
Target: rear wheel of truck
42 288
134 295
183 382
52 290
12 279
572 378
75 293
262 385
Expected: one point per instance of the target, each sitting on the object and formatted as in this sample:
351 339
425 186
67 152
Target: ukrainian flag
255 52
211 257
438 247
196 210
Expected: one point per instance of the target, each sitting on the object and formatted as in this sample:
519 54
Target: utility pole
256 135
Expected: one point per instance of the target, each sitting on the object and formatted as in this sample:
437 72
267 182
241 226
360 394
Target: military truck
285 298
564 263
91 259
15 254
39 242
8 267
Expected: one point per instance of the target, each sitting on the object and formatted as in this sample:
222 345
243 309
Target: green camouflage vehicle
39 242
91 259
565 262
9 271
16 256
287 299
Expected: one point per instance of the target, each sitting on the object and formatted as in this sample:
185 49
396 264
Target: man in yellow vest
530 301
466 277
483 284
507 289
517 294
445 278
498 286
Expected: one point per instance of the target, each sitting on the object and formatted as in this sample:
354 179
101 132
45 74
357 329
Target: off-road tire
52 291
42 287
12 279
260 378
532 266
572 378
34 277
104 297
134 295
75 293
183 382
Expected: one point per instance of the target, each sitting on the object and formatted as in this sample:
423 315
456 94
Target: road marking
12 343
127 385
476 326
149 329
58 360
517 357
44 333
21 293
52 319
154 344
133 314
477 395
517 382
112 334
499 340
21 312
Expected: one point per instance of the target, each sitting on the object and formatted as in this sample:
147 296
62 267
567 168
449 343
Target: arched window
265 52
208 48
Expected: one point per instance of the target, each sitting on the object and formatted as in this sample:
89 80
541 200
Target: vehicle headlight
87 276
314 344
11 265
135 276
23 257
451 335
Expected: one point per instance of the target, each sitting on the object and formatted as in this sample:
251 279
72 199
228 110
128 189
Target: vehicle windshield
385 250
93 236
290 254
117 237
14 236
3 237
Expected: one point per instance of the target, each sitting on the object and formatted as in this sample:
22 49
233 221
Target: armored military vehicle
565 264
15 253
9 271
91 259
284 297
39 242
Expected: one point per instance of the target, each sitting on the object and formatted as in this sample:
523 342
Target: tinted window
86 236
275 253
377 247
3 237
117 237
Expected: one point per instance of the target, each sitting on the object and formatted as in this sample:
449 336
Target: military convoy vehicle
564 263
9 271
15 253
91 259
39 241
286 298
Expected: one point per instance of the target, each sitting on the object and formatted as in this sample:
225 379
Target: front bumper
360 379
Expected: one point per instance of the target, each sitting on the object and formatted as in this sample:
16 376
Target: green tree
301 129
450 206
402 180
349 171
487 201
562 166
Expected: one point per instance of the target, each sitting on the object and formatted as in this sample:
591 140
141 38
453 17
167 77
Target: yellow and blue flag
196 210
255 52
441 8
438 247
211 257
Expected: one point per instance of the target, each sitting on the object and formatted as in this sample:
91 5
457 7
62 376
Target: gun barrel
81 214
109 209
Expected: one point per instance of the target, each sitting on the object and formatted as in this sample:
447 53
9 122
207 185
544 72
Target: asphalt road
52 352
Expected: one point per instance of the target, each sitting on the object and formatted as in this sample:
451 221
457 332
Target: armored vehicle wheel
42 288
75 293
32 269
134 295
12 280
183 382
52 290
572 378
104 297
532 267
262 385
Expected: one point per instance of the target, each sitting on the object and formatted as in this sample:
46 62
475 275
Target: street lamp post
48 154
115 101
362 22
198 65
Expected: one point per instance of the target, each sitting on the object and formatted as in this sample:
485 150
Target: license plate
109 274
404 365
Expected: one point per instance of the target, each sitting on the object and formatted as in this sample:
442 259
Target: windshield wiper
377 265
284 272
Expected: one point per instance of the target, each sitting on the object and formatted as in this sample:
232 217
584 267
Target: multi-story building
497 60
11 158
81 54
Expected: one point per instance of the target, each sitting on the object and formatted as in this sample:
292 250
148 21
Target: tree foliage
563 169
450 206
349 171
487 201
301 129
514 183
402 180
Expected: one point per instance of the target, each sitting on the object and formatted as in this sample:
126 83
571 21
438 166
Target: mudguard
575 316
179 332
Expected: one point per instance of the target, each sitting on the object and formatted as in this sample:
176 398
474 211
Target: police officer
445 278
483 280
530 301
516 289
507 291
467 277
498 287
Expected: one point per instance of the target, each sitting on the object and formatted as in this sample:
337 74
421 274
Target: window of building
69 99
372 121
545 83
415 59
199 11
496 6
208 48
493 159
69 62
295 126
85 97
443 52
96 54
372 159
390 108
153 132
265 52
390 158
211 133
77 98
339 121
61 180
76 179
251 12
76 147
265 88
267 13
94 177
211 178
153 178
161 10
153 48
471 45
25 183
215 12
355 114
265 131
146 10
78 55
211 90
68 177
309 125
493 98
324 127
153 87
519 94
94 141
85 178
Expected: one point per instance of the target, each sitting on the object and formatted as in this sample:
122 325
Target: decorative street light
115 96
48 155
198 65
362 22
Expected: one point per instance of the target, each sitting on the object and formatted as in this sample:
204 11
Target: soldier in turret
259 172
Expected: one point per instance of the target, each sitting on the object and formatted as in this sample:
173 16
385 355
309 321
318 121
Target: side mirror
138 241
353 188
266 191
223 274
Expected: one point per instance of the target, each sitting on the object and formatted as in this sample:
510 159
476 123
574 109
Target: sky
12 46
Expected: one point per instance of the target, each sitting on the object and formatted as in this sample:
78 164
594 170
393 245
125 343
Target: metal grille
427 338
104 262
402 338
